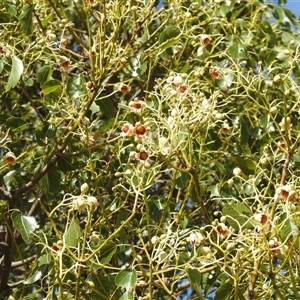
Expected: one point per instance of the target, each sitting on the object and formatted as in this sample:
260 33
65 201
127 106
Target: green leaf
43 74
156 210
11 9
182 180
128 295
244 131
245 164
76 86
166 40
34 277
16 125
51 86
17 69
238 51
51 181
25 225
1 65
106 252
239 215
194 277
107 107
104 287
214 190
65 164
25 19
72 236
224 291
126 279
45 259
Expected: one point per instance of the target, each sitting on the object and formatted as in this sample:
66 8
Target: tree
149 151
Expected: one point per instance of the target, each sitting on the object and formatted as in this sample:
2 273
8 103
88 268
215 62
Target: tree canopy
149 150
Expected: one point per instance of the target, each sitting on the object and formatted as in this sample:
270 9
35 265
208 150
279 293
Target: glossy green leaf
37 275
25 225
51 181
126 279
166 40
43 74
16 125
182 180
239 215
244 130
238 51
104 288
25 19
107 251
214 190
51 86
245 164
128 295
224 291
76 86
194 277
72 236
107 107
156 210
16 72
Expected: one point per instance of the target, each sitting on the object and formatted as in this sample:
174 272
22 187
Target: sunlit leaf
194 277
34 277
16 72
238 215
25 225
126 279
51 86
73 233
76 86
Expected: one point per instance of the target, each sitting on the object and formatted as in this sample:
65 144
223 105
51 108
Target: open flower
222 230
127 130
285 192
274 246
137 105
10 158
140 130
205 38
196 238
124 88
215 72
143 155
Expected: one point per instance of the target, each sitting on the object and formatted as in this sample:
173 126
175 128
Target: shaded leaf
224 291
245 164
51 181
107 107
73 233
17 69
25 225
16 124
25 19
106 252
43 74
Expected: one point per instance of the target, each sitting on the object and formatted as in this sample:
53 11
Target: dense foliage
149 151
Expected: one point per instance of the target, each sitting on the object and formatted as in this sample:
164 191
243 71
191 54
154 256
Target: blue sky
292 5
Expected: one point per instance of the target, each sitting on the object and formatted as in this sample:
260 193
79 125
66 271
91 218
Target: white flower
196 238
92 201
